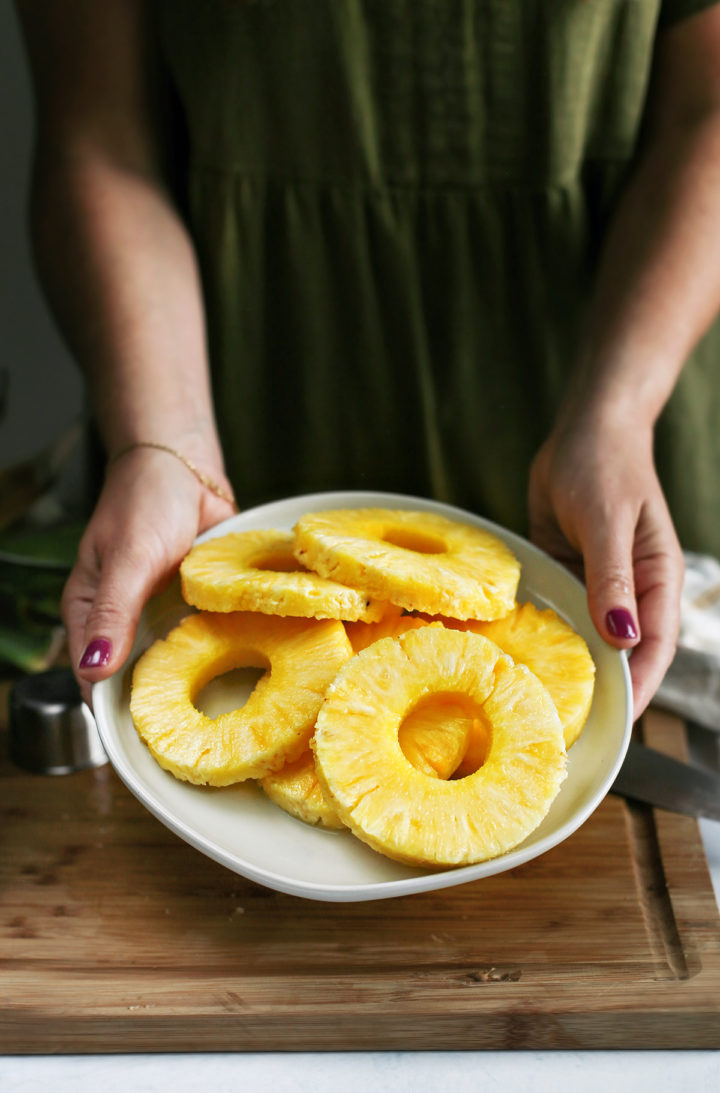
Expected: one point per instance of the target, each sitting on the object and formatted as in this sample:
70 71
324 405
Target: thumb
608 560
127 580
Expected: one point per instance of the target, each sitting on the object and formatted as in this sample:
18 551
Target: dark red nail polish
621 624
97 654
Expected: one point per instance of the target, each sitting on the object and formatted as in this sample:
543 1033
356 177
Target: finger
651 659
659 578
127 579
77 600
610 581
546 533
645 678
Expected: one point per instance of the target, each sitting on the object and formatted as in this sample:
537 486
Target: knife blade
655 779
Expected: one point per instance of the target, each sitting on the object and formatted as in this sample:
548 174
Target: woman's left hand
595 504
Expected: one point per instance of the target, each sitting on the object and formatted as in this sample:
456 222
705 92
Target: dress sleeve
672 11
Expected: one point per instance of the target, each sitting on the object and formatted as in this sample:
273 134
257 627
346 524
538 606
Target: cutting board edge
699 1030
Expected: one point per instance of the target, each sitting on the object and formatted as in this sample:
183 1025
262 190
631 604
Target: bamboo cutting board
115 936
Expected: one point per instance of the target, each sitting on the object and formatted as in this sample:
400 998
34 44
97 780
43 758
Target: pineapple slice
417 560
392 623
475 754
399 810
275 724
436 734
554 652
295 788
433 737
256 571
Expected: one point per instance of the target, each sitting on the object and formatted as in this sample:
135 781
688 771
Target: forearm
658 286
120 274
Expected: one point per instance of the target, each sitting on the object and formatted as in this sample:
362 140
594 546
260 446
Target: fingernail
97 654
621 624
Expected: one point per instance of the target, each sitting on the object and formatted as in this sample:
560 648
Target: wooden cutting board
116 936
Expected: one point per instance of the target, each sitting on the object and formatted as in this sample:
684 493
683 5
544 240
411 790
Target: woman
462 248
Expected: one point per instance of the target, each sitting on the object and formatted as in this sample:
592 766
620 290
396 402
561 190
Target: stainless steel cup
52 731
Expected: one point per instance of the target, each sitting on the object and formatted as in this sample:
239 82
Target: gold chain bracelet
203 479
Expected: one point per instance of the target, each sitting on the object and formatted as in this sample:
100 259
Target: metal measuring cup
52 730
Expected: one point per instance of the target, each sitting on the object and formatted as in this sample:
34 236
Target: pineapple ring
295 789
554 652
275 724
417 560
392 623
256 571
402 812
540 639
436 734
433 737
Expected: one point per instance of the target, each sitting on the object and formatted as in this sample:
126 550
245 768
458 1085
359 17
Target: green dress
398 207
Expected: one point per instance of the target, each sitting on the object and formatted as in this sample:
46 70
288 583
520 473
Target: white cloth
691 686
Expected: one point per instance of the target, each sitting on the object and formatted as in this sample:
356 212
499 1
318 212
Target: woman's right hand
149 512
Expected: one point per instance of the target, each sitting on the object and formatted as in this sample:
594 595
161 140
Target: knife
655 779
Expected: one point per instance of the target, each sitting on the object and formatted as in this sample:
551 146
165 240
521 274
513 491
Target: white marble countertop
386 1072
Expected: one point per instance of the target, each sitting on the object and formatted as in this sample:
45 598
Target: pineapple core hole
477 749
228 691
414 540
444 736
278 561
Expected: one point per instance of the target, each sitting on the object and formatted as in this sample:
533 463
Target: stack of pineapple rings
409 697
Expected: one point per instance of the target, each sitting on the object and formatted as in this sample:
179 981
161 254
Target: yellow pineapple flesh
406 813
295 788
393 622
433 737
257 571
419 561
554 652
275 724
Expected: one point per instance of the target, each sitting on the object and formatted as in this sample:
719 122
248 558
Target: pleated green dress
398 207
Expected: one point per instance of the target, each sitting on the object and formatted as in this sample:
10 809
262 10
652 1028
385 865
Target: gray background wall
44 386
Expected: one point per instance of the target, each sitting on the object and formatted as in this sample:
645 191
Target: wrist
207 475
601 433
622 390
198 441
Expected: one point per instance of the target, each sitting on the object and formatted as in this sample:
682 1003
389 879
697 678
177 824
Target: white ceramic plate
239 827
